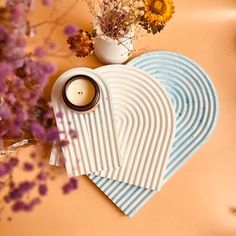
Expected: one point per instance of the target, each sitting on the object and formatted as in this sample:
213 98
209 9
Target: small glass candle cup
81 93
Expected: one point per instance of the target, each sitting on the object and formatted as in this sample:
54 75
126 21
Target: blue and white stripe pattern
196 107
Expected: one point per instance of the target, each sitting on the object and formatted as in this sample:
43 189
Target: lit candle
81 93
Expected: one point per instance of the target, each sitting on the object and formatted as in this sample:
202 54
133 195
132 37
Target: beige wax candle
81 93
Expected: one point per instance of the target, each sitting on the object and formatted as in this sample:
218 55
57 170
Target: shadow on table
233 210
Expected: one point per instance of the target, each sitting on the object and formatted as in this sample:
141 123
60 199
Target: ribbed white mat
145 122
96 147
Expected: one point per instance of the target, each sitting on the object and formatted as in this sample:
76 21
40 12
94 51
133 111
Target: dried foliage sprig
81 43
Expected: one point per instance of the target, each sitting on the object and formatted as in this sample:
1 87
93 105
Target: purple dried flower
13 162
52 45
31 205
3 88
73 133
59 115
41 164
18 192
15 129
42 176
36 201
5 169
49 68
70 186
18 206
47 3
21 42
38 131
70 30
5 71
21 116
26 94
43 189
28 166
64 143
11 99
19 83
15 193
22 206
40 52
49 114
5 68
5 112
18 13
28 207
26 186
52 135
33 155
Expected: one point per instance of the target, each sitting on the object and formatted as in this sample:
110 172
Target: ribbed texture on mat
145 122
196 107
96 147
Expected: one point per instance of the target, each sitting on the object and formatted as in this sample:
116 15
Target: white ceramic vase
110 51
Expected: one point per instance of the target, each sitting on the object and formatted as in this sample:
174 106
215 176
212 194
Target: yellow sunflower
158 11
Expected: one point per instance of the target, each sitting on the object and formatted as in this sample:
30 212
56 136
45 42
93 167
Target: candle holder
81 93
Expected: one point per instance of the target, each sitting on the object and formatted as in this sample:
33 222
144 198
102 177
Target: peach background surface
199 199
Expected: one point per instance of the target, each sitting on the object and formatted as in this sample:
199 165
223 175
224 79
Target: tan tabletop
198 200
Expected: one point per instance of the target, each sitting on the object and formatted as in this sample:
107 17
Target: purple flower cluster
28 166
24 114
43 189
42 176
18 192
23 75
23 206
70 186
115 18
6 167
